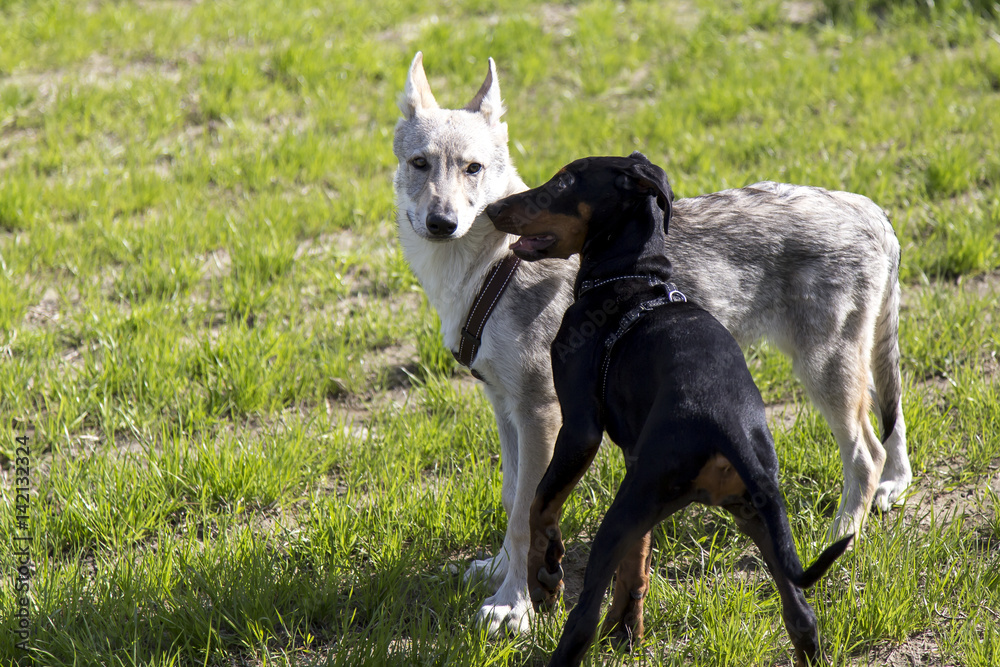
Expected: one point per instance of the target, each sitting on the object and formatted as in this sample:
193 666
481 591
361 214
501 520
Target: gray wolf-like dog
813 271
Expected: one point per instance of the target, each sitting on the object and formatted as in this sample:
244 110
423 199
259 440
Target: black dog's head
584 200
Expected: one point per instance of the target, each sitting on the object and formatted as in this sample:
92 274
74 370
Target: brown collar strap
490 293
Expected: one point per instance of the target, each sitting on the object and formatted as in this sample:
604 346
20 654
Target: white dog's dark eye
473 168
418 162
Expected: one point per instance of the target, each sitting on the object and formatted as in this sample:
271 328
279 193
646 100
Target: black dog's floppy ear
647 175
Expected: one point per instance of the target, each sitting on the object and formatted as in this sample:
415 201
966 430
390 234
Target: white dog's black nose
439 225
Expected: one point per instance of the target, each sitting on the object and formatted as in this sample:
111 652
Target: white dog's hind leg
494 570
843 400
897 474
510 608
888 389
863 457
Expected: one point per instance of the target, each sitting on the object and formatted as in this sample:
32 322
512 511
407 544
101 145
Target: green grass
248 445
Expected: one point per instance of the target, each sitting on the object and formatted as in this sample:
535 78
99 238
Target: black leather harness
670 295
489 294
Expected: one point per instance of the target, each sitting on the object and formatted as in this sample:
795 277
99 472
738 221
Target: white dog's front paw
511 615
491 570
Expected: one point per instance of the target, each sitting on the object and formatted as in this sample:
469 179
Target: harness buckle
676 296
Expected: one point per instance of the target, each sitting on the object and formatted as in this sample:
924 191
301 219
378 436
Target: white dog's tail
885 351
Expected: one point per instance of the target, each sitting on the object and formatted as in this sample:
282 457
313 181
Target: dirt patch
408 31
934 499
945 493
686 14
216 264
802 12
97 71
173 5
920 649
782 416
558 19
45 311
553 18
981 285
574 565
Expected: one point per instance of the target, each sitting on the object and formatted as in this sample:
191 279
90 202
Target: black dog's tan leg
640 504
799 618
623 623
573 454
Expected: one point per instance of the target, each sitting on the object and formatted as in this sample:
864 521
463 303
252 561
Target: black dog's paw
546 596
809 656
551 580
624 633
543 601
620 638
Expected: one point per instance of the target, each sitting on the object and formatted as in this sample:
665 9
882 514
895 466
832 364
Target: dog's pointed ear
487 101
417 92
649 177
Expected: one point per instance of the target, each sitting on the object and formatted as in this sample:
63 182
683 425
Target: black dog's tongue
532 244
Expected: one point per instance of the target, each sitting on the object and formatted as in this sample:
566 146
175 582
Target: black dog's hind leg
800 620
623 623
643 500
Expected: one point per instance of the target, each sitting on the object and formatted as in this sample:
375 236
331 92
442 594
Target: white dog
813 271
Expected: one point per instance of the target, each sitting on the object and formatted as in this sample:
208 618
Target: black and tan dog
666 381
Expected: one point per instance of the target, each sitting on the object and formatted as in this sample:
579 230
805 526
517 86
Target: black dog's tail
823 563
769 504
